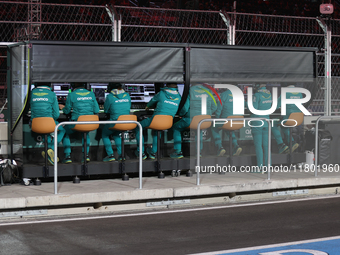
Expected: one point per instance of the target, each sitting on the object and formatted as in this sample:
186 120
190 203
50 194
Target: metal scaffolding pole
328 65
116 23
34 15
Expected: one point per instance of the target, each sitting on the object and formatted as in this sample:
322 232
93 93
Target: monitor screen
98 86
140 92
57 88
99 89
61 89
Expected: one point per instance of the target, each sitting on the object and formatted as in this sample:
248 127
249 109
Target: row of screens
139 93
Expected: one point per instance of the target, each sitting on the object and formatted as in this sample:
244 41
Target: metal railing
316 168
225 121
96 122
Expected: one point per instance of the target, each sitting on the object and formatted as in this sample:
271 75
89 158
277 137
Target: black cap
114 85
171 85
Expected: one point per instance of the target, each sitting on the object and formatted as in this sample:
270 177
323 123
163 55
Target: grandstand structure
34 20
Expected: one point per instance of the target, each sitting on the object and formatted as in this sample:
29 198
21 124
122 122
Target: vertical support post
269 147
290 145
328 70
55 149
198 152
84 172
230 148
119 29
122 164
230 22
227 21
115 28
34 16
45 172
328 65
233 25
316 154
9 78
140 155
114 23
159 155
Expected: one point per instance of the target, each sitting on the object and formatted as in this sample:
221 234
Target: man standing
44 103
117 102
223 111
79 102
262 100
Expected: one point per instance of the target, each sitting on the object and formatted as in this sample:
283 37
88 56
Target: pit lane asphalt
177 231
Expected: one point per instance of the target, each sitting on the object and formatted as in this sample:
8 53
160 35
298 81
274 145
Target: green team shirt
44 103
290 108
166 102
262 100
193 104
226 109
81 102
117 104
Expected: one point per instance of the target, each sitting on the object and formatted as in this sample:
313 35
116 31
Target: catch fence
19 22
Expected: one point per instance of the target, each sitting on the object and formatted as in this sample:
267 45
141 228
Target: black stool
194 125
123 128
44 126
85 128
160 123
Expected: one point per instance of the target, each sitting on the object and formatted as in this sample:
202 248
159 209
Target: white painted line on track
269 246
166 212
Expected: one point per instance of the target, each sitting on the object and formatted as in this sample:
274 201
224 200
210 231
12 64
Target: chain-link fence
209 27
336 84
270 30
286 31
3 72
135 24
58 22
168 25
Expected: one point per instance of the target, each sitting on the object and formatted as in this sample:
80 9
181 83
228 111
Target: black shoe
109 158
237 151
283 148
150 153
137 155
294 147
176 155
120 158
221 152
67 159
50 156
87 158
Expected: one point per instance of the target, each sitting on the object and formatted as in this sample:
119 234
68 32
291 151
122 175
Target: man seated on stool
191 108
44 103
117 102
79 102
165 102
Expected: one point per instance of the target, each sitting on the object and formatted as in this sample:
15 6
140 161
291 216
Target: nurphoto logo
238 104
